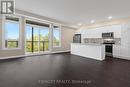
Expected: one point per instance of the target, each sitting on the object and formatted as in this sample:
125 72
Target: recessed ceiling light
92 21
110 17
79 24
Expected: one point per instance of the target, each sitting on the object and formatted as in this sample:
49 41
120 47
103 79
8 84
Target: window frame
59 35
36 26
4 32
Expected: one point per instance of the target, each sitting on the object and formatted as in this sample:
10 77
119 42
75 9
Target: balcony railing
32 46
11 44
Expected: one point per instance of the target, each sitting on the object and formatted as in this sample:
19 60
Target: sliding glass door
29 37
44 39
37 38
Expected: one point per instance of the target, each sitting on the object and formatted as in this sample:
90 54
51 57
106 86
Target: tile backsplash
93 40
100 40
117 41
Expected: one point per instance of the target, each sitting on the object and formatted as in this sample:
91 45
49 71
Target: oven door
109 49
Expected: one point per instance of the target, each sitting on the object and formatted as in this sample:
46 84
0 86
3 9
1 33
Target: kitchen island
89 50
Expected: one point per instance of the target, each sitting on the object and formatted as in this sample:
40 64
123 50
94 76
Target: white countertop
97 44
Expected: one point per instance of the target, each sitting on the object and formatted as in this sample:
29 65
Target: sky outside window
44 31
12 30
56 33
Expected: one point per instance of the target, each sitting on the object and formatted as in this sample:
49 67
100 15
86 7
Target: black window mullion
32 40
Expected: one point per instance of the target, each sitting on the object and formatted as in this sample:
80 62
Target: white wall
66 38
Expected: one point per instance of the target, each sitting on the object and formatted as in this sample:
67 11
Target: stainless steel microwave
108 35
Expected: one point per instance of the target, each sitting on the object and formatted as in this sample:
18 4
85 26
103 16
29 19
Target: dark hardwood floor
46 70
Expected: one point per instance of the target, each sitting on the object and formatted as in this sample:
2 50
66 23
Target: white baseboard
61 51
12 57
121 57
35 54
88 57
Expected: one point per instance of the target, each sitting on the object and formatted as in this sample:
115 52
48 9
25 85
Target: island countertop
89 50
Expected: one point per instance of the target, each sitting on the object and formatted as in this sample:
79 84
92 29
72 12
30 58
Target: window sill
56 46
11 49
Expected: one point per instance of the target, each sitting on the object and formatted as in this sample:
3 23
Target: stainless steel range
109 49
108 40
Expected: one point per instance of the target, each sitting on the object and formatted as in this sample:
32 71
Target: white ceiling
76 11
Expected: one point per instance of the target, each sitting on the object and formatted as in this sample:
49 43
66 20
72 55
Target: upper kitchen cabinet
97 32
92 33
116 29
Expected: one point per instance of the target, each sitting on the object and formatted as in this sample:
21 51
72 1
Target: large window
11 32
56 36
37 37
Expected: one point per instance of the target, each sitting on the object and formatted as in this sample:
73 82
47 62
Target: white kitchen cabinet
97 32
129 40
120 31
124 49
116 50
124 52
129 34
94 51
116 29
91 33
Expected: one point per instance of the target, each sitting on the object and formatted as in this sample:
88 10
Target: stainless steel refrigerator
77 38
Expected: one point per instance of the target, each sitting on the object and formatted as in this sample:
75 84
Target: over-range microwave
108 35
